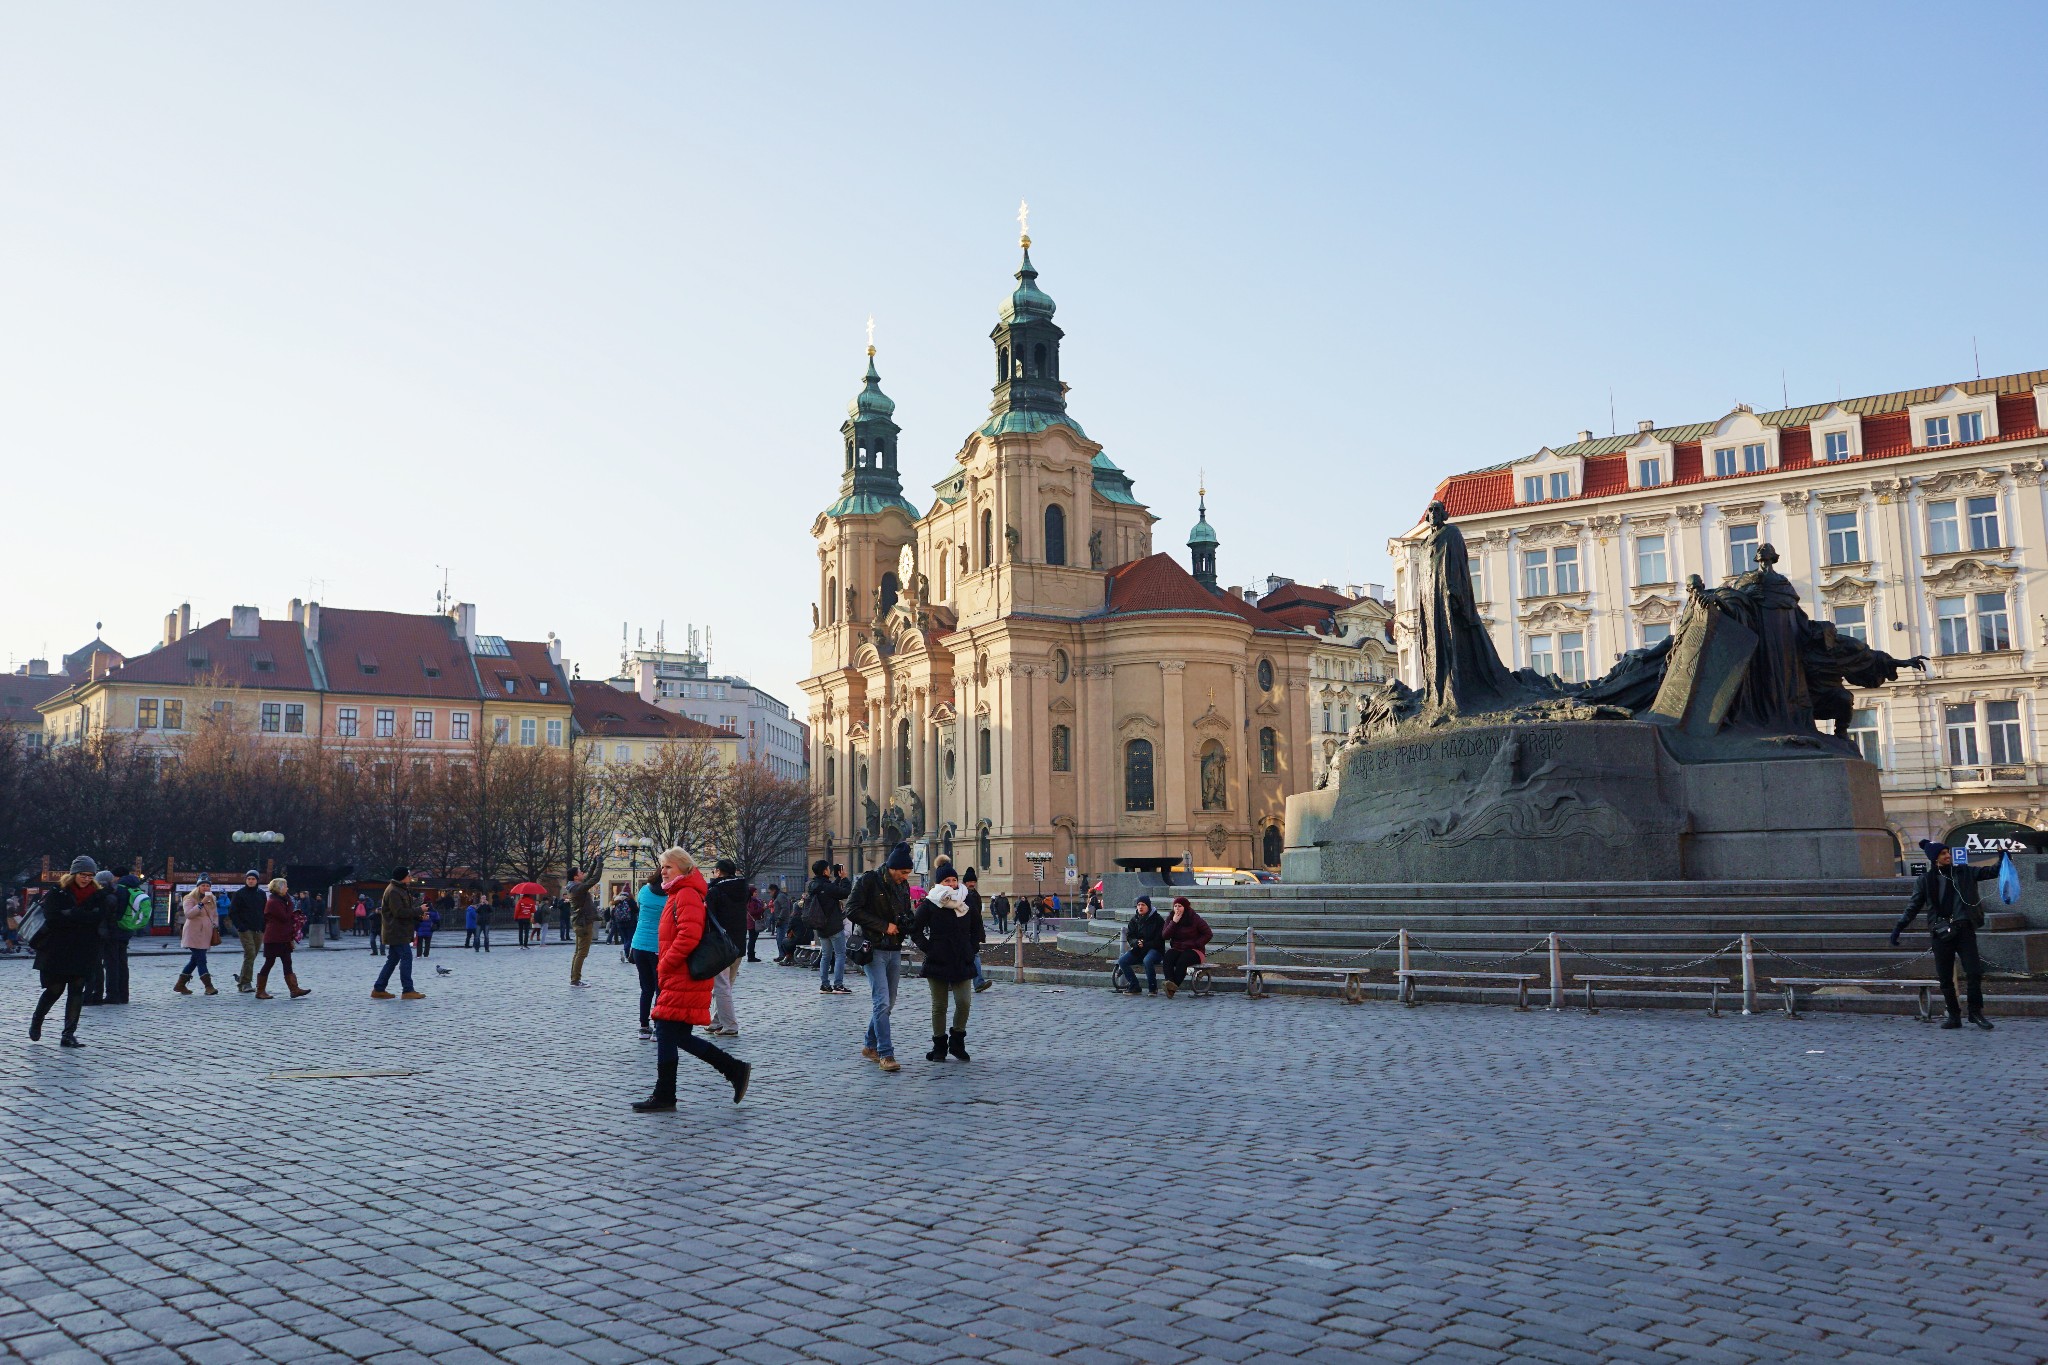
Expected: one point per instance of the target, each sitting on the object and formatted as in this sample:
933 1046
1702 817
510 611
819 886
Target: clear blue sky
569 298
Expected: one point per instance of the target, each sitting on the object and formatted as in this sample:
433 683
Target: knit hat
1145 901
82 866
899 858
1932 849
968 876
399 874
105 879
252 872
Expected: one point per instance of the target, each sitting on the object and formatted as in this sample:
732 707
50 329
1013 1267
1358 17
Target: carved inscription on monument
1538 745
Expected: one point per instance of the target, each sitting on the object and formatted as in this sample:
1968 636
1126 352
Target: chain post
1404 949
1556 973
1020 954
1251 946
1748 976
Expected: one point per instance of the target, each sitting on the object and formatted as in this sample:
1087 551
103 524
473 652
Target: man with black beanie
725 899
1954 901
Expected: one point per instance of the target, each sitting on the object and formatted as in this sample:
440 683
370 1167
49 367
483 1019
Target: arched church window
988 538
1055 534
1059 665
985 752
1265 675
832 601
1002 363
1269 751
861 460
1038 360
950 767
889 591
1138 775
1062 749
985 858
1269 851
903 753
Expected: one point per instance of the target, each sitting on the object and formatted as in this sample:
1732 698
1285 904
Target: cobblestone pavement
1109 1180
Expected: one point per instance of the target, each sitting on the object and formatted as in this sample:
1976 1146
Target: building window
1993 633
174 714
1059 665
295 718
1952 625
1269 750
145 714
458 725
423 725
1478 578
501 729
1960 724
1138 775
1055 534
2002 729
1532 488
1062 749
1943 533
1566 561
345 722
1650 472
1741 549
1983 523
831 611
1724 462
1937 431
1844 545
1753 459
1571 656
529 732
623 753
271 717
1560 485
1535 573
902 753
985 752
988 539
1970 427
1541 660
1863 734
1650 564
1656 633
1852 622
1265 675
387 723
1836 444
555 734
1329 720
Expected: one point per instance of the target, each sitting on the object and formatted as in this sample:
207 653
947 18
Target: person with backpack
682 1001
880 909
822 912
725 899
1022 915
1953 898
138 909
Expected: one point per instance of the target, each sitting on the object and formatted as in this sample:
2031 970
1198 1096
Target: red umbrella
529 889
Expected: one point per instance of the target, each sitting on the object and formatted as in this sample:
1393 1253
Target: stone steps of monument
1331 931
1526 908
1884 887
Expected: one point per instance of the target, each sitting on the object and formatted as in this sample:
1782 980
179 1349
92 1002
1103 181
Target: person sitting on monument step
1954 903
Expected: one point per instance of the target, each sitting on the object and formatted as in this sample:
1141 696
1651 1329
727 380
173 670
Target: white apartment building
681 681
1917 521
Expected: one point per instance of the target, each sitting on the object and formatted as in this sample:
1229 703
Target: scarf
670 884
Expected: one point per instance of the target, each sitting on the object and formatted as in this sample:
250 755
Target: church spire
1202 543
1027 344
870 481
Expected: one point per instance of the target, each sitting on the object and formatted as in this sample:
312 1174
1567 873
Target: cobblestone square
1109 1180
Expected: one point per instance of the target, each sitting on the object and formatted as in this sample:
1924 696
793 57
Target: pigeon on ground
439 970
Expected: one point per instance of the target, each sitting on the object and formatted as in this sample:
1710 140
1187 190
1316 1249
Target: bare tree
529 793
767 818
673 799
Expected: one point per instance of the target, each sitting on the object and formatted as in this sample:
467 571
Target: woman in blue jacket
647 944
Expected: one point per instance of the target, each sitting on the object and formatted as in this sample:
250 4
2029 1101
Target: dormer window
511 686
1969 426
1547 488
1937 431
543 689
1650 472
367 662
1836 446
429 667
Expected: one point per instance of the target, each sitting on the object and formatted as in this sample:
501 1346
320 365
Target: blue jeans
882 969
195 965
832 959
980 976
1127 968
398 955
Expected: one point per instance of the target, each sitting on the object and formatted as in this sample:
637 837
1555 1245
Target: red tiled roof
1887 434
602 709
1290 594
394 654
1157 583
275 659
533 675
19 693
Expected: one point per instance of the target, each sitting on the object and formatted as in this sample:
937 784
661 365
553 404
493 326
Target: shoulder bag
32 926
714 952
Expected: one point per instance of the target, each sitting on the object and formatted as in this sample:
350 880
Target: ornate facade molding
1740 510
1971 575
1969 480
1848 590
1137 720
1795 499
1551 532
1555 613
1840 497
2028 473
1689 513
1657 609
1497 536
1173 665
1888 488
1606 524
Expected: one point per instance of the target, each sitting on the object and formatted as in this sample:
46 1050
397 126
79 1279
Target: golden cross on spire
1024 223
871 334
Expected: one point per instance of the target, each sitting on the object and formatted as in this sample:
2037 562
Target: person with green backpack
138 909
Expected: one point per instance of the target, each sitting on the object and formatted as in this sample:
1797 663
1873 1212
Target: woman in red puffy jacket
681 1000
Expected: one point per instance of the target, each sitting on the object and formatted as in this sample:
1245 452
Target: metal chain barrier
1733 946
1901 965
1442 956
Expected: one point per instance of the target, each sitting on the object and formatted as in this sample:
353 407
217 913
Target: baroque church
1012 672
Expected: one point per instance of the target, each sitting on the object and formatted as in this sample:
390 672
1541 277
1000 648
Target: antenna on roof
1611 428
1974 358
1784 390
441 597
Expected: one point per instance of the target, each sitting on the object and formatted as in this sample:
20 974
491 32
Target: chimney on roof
245 624
1376 591
1646 425
1235 591
465 624
39 668
1585 436
554 650
1354 590
184 619
309 620
170 629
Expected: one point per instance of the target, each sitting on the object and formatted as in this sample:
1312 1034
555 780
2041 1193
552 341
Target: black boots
664 1097
1981 1022
1953 1021
739 1073
938 1052
956 1043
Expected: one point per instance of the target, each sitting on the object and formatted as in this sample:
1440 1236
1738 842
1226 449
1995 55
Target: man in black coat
725 899
1144 943
880 908
68 950
824 901
1953 898
245 917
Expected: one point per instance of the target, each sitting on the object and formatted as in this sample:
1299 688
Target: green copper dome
1204 533
871 401
1029 302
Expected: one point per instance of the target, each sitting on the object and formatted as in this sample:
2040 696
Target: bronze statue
1461 672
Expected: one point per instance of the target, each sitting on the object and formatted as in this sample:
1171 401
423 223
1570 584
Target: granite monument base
1593 801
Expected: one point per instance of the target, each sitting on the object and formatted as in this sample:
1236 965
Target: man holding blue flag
1951 892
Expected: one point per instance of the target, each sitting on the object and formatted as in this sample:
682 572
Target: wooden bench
1715 983
806 954
1790 985
1353 979
1201 976
1408 976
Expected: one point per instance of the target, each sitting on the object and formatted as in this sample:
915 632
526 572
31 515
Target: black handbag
714 952
859 951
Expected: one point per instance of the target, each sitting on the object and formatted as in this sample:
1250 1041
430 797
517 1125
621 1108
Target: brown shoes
889 1064
382 995
871 1054
413 995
